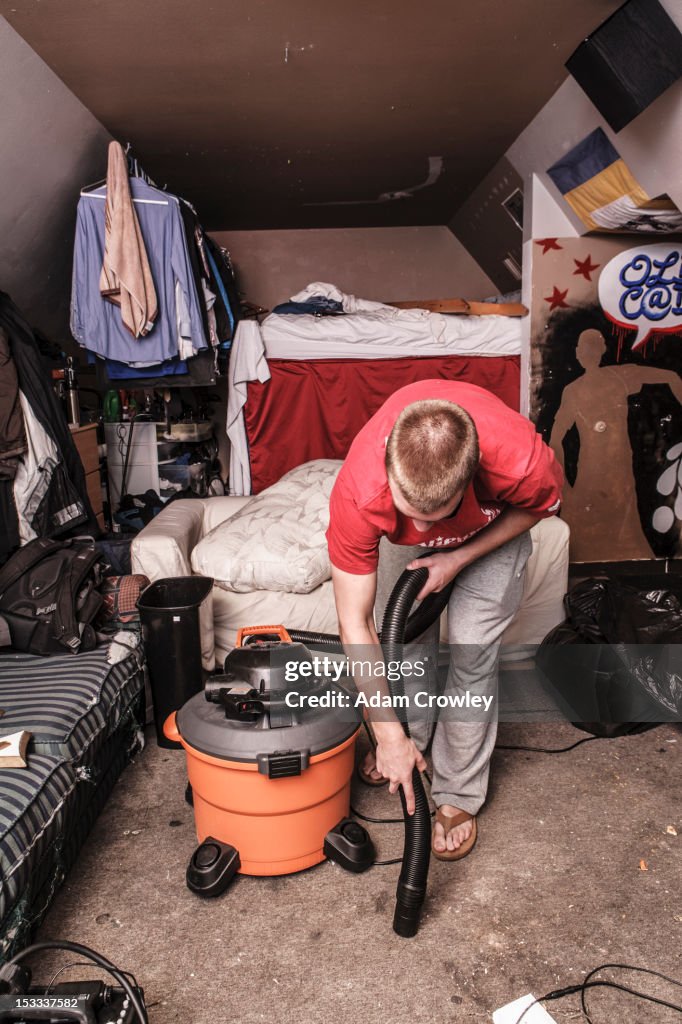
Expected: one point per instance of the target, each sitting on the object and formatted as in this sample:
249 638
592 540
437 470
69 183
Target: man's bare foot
455 836
369 767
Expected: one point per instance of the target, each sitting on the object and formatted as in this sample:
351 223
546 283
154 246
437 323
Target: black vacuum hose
411 890
398 629
320 641
421 618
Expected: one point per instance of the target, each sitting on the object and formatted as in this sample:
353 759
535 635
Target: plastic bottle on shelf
112 407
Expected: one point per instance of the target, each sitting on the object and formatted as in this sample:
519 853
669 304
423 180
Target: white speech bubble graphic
641 289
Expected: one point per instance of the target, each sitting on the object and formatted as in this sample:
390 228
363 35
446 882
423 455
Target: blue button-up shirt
96 324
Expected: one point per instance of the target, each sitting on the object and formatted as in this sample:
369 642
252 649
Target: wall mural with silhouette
606 389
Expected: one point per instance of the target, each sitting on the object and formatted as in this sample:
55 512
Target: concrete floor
577 864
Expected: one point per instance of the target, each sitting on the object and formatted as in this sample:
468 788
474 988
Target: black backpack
48 596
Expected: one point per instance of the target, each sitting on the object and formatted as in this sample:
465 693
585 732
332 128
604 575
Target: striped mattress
83 714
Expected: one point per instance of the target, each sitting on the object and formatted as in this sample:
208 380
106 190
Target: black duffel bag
48 596
615 665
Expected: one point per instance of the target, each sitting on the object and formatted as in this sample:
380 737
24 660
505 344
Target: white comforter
371 330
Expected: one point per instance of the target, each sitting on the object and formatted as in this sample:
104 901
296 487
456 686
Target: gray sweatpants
483 602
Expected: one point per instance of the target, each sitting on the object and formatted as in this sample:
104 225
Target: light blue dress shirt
97 324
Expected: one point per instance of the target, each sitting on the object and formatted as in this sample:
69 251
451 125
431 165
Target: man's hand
442 568
396 756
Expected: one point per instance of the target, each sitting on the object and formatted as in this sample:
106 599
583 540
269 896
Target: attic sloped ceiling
253 109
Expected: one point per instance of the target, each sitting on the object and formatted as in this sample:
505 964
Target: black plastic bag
615 665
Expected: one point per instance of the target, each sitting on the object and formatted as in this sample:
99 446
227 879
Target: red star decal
556 299
585 267
547 244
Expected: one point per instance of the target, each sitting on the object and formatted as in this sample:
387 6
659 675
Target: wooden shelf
85 439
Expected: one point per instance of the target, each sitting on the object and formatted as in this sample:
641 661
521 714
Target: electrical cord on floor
94 957
375 821
629 967
548 750
83 963
587 983
66 967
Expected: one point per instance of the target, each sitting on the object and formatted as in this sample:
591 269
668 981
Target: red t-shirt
516 468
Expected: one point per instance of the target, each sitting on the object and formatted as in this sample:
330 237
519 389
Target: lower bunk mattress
85 718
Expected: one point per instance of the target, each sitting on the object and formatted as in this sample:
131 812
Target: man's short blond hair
432 453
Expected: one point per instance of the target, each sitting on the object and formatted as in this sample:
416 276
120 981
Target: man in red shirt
442 464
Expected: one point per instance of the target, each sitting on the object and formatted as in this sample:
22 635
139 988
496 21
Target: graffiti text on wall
642 288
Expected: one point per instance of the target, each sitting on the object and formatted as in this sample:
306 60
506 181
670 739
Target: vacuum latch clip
283 764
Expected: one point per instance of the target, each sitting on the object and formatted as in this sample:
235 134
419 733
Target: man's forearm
361 645
511 523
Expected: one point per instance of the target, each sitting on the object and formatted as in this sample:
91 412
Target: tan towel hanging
126 278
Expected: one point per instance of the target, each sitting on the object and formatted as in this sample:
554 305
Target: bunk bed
302 385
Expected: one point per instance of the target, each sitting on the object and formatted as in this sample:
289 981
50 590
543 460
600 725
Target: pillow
277 540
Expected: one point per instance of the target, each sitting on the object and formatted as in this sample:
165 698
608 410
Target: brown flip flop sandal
367 780
451 822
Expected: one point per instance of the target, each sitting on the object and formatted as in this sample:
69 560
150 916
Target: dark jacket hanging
12 433
65 505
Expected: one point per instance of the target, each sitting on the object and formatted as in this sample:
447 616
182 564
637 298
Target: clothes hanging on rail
192 229
95 323
222 282
193 281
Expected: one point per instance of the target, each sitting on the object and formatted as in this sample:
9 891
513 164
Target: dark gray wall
484 227
51 145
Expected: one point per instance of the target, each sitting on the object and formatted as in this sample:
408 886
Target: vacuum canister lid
271 698
205 727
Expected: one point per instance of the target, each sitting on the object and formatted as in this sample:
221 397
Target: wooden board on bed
464 307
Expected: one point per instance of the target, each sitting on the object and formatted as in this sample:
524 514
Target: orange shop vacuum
270 782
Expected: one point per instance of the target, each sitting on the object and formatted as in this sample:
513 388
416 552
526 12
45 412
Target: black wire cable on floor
548 750
374 821
94 957
67 967
587 983
628 967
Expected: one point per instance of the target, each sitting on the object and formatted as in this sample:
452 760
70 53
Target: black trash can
177 623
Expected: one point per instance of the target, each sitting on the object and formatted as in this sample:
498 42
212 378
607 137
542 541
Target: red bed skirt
313 410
